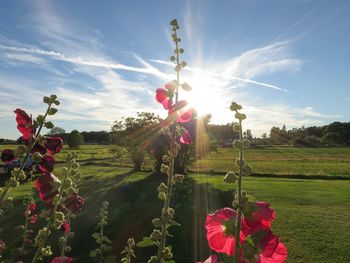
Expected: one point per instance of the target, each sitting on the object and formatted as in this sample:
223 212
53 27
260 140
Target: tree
75 139
56 131
135 133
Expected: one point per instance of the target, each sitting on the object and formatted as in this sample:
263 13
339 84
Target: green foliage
75 139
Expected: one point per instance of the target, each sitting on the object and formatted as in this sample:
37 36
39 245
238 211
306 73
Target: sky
286 62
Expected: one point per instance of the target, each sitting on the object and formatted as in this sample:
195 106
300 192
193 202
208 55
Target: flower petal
53 145
279 256
186 137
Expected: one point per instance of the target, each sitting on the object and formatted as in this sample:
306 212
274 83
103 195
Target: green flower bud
162 188
165 158
183 64
22 176
37 157
40 119
186 87
67 249
171 211
167 253
172 58
230 178
12 182
75 165
46 100
178 178
244 193
52 111
49 125
157 222
237 144
156 235
240 116
162 196
247 170
46 251
164 169
53 97
105 204
21 149
153 259
56 102
235 106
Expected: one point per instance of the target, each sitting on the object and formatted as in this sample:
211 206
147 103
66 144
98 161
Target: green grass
282 161
311 215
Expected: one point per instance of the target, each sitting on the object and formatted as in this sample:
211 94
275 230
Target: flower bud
157 222
178 178
240 116
237 144
162 196
235 106
165 158
156 235
162 188
247 170
239 163
230 178
37 157
164 169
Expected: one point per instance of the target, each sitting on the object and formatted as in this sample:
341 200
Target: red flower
38 148
164 96
8 155
211 259
65 227
74 203
62 260
186 137
24 125
178 113
33 219
45 185
220 232
31 207
47 164
53 145
261 217
267 247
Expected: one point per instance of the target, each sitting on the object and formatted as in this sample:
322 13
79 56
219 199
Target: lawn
282 161
312 215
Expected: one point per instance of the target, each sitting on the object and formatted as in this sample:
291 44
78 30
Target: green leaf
49 125
46 100
173 223
146 242
107 240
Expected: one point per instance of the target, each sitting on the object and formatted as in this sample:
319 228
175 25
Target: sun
204 96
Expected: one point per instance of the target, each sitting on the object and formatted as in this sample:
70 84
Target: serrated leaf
146 242
95 235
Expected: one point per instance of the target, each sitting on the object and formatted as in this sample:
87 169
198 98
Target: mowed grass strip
281 161
312 216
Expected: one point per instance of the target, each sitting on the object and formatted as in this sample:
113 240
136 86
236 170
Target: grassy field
282 161
312 215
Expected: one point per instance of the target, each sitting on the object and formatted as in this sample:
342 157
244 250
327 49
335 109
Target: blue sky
287 62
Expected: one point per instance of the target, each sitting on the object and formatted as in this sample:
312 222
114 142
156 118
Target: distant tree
56 131
75 139
135 134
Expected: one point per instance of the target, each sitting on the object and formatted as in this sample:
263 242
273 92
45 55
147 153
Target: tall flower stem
25 231
66 237
29 149
239 197
172 151
49 222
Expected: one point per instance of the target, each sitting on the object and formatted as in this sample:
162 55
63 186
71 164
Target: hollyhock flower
62 260
178 113
186 137
45 184
220 232
266 248
25 125
38 148
8 155
164 95
31 207
53 145
65 227
33 219
261 217
74 203
47 164
211 259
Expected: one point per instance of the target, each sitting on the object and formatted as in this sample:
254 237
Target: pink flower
45 186
33 219
186 137
261 217
31 207
266 248
25 125
62 260
8 155
47 164
220 233
53 145
211 259
74 203
164 95
65 227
